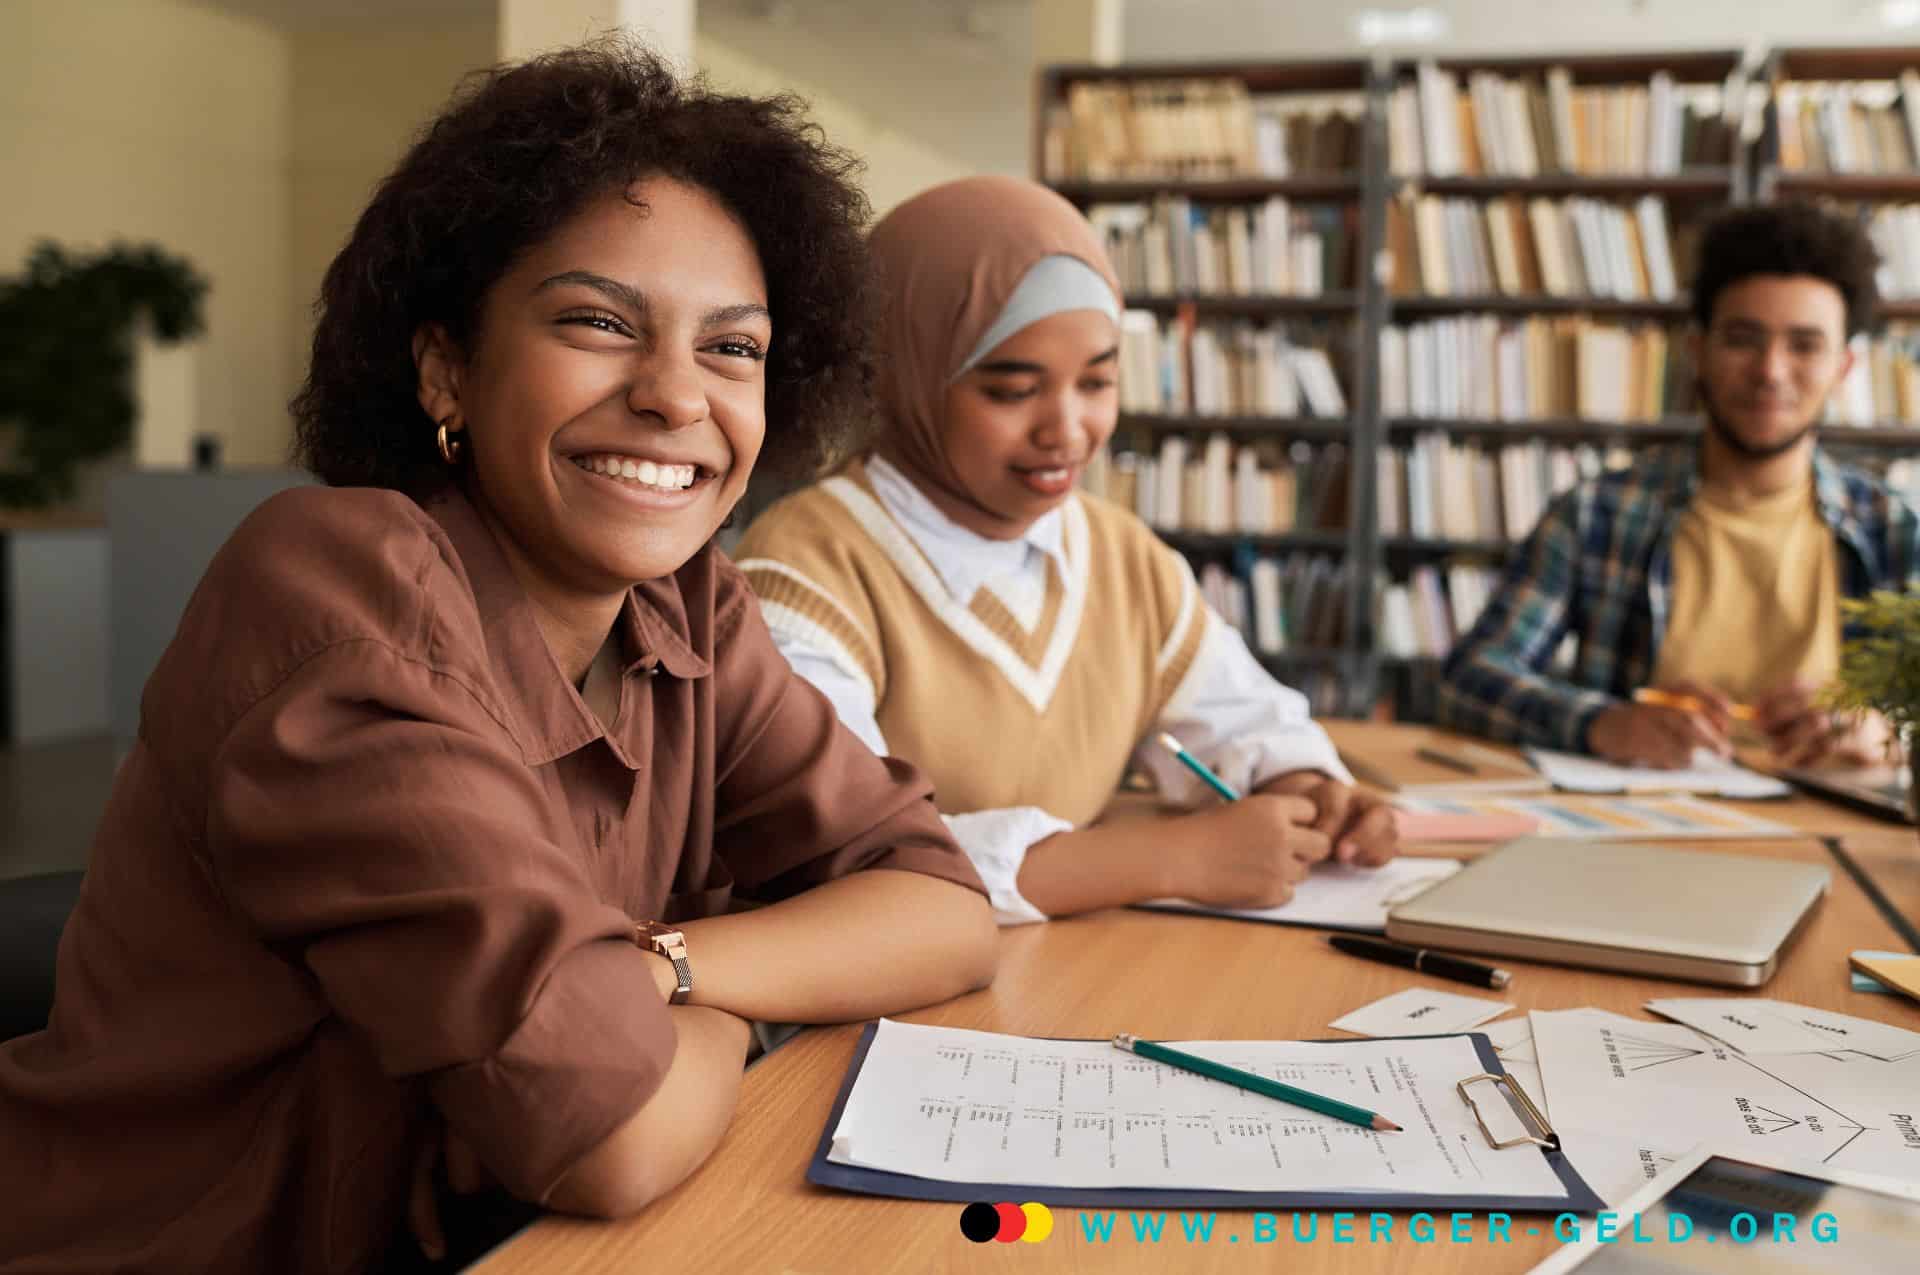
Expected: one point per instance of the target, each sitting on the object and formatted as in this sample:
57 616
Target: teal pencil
1198 767
1256 1084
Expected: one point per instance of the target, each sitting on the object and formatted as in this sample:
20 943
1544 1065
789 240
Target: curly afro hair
520 150
1793 238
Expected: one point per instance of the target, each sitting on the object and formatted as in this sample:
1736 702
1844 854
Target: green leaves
66 356
1880 660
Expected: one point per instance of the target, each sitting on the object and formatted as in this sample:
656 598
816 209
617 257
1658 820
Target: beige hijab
947 262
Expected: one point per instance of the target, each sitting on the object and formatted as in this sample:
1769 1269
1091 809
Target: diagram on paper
1607 1073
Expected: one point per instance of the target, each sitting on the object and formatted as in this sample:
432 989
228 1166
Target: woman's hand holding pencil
1253 850
1250 853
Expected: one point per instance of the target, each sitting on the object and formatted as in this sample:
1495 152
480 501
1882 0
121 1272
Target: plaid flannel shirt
1600 566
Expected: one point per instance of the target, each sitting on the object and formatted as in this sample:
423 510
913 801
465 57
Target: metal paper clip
1529 1114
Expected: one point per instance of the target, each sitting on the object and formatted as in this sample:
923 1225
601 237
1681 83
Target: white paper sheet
1419 1010
1340 896
966 1106
1709 773
1755 1026
1626 1094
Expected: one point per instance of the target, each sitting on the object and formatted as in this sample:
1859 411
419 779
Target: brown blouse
372 855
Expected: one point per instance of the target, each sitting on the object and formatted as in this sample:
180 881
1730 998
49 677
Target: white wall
161 120
361 93
898 164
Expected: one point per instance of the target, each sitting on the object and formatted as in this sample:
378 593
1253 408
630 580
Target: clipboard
1473 1090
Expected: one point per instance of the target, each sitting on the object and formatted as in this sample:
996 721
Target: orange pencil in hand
1688 703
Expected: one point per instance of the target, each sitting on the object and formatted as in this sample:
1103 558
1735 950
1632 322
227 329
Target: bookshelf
1537 233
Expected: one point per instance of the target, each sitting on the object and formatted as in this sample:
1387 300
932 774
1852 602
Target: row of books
1883 387
1505 126
1865 126
1281 603
1895 231
1443 489
1173 246
1489 367
1217 487
1226 368
1185 129
1574 247
1423 615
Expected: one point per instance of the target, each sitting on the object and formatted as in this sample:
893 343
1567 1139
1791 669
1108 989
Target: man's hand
1632 734
1359 825
1803 733
1249 853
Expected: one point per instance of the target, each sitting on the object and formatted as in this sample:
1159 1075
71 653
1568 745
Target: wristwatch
672 944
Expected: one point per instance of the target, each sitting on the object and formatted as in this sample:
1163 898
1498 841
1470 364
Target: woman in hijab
965 608
449 778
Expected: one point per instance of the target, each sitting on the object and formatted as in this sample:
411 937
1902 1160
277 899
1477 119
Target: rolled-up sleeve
801 800
374 822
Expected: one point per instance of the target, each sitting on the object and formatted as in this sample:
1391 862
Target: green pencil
1256 1084
1198 767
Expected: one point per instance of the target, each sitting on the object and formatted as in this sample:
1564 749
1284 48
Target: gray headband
1053 285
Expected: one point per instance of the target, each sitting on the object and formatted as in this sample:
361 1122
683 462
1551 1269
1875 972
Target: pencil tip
1385 1125
1169 743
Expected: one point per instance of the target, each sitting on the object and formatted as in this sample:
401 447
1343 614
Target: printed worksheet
1627 1096
1574 817
967 1106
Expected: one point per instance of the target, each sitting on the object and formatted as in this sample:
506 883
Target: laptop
1874 790
1697 915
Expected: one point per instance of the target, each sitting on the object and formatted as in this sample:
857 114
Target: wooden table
750 1209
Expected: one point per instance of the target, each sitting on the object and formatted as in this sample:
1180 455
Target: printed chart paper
1573 817
966 1106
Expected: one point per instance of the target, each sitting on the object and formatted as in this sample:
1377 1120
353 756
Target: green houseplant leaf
66 356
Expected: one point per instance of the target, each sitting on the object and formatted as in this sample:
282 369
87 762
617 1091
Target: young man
1712 571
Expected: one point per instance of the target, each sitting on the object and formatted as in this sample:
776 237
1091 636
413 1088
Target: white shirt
1228 711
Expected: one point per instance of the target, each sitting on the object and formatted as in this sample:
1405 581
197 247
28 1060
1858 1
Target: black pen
1438 964
1448 760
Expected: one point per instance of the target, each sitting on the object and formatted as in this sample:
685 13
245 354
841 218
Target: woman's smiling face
614 395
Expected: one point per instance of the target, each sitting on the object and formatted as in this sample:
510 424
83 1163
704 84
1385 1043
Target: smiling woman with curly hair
420 878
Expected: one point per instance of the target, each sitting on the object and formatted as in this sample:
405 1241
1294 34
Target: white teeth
645 472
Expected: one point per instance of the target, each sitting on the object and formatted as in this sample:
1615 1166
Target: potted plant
66 358
1880 668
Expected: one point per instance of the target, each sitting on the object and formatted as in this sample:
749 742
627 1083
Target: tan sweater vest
995 715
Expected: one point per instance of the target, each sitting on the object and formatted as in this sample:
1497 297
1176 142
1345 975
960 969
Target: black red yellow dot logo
1005 1223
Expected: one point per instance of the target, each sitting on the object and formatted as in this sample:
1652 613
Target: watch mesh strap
683 975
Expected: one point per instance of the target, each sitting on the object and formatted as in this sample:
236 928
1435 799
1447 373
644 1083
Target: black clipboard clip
1529 1114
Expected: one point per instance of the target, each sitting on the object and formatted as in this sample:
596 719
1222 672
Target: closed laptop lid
1697 903
1884 789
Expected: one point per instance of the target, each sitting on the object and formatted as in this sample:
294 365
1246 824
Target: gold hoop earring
450 447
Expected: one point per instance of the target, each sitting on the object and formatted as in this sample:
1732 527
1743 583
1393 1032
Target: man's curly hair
1792 238
520 150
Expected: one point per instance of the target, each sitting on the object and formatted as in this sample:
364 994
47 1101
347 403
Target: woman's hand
1249 853
1360 825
